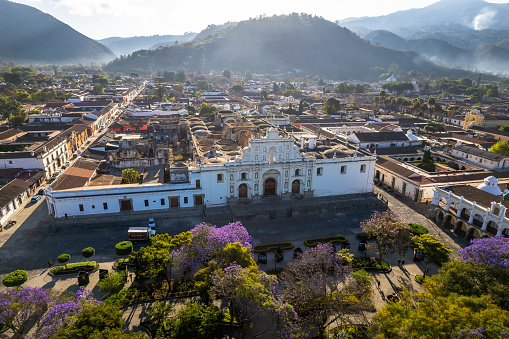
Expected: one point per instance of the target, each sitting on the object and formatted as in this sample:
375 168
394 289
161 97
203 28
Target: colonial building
479 157
273 166
472 212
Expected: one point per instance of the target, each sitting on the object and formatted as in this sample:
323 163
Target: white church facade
272 166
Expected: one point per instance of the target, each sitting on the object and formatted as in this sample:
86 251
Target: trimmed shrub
15 278
75 267
363 236
417 229
87 252
63 258
420 278
124 248
271 247
332 240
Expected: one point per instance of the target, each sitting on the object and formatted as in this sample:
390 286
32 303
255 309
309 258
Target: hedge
314 242
368 263
15 278
63 258
75 267
87 252
417 229
270 247
124 248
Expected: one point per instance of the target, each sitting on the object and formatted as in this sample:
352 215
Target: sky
100 19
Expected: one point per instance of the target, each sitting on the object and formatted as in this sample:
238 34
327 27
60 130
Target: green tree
9 107
150 263
15 279
197 321
227 74
471 279
159 311
399 86
101 321
49 94
113 282
12 78
465 82
491 93
129 175
264 94
429 316
63 258
235 252
202 85
206 110
331 106
427 162
275 87
87 252
98 89
431 249
191 109
248 75
237 88
500 147
18 117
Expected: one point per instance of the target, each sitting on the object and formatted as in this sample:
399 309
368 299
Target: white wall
333 182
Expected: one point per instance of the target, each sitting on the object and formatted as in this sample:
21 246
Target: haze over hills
125 46
286 43
476 14
487 58
32 37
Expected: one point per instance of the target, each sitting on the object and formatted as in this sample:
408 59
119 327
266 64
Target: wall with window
343 176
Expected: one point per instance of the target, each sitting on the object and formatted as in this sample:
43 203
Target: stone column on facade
499 231
458 212
484 225
436 196
471 219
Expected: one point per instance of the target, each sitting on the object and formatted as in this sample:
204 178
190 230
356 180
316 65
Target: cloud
483 19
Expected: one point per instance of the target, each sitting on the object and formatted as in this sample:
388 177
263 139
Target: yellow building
474 117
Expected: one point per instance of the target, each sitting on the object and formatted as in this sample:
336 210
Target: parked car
36 198
68 162
151 223
56 174
41 191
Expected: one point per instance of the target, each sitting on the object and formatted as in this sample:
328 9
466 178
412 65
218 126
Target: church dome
490 185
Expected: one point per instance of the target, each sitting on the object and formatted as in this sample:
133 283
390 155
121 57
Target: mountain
29 36
485 58
281 44
125 46
476 14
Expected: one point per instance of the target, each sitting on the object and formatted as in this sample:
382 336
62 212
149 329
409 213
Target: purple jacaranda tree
316 284
392 233
206 241
493 252
21 307
62 312
248 289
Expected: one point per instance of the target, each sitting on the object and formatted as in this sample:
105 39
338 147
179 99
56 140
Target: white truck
140 233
